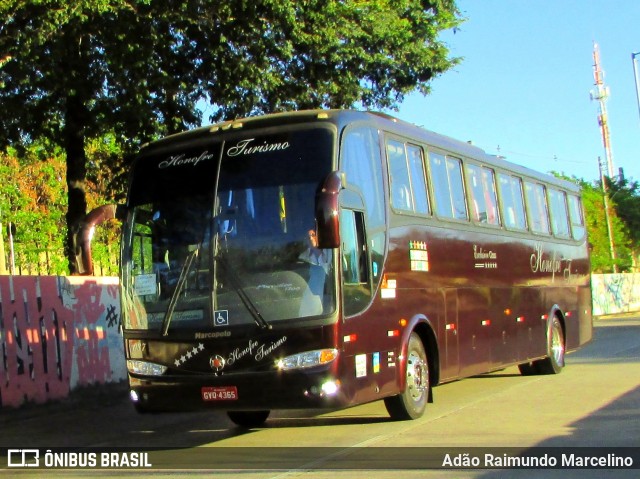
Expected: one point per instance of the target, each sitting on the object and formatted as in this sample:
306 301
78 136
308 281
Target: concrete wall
57 333
615 293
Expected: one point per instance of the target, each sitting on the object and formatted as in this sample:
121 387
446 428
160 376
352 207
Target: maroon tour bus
324 259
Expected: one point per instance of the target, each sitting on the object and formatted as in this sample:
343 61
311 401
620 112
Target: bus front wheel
411 403
248 419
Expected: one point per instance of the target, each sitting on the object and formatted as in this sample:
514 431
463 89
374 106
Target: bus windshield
223 235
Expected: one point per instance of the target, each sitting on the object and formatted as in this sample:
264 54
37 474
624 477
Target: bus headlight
145 368
307 359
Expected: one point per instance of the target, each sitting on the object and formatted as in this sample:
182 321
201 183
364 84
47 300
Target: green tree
31 198
598 231
625 196
74 72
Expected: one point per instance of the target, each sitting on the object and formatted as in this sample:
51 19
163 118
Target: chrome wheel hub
417 376
557 345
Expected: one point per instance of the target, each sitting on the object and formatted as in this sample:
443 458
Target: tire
140 409
411 403
528 369
248 419
554 362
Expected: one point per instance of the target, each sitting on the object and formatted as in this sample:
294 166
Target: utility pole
601 94
607 215
635 77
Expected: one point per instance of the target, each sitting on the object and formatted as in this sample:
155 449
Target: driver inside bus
314 255
320 261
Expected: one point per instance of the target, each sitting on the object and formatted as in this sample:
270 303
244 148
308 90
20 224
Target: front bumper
315 389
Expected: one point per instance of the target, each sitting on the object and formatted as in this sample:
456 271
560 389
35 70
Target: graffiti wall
57 333
615 293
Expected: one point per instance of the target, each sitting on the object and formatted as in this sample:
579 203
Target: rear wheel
411 403
528 369
554 362
248 419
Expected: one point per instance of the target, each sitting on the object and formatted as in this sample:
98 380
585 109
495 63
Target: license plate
222 393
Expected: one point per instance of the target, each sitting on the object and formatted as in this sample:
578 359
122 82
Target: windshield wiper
176 292
244 297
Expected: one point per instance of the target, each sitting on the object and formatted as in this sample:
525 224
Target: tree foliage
33 200
131 70
625 195
602 242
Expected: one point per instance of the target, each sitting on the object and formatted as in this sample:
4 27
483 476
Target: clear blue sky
522 88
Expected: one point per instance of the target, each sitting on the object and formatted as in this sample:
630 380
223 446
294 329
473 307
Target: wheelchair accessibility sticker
221 318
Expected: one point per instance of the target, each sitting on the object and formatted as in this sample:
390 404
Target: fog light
134 396
330 388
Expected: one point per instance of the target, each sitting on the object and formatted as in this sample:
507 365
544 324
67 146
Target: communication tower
601 94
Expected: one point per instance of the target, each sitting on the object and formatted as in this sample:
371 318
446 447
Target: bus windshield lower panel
244 255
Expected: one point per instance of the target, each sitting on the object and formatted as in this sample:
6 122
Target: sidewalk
628 315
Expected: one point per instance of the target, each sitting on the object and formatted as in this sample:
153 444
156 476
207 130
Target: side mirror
327 210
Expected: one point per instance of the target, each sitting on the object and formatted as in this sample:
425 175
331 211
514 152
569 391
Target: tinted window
483 195
355 272
576 217
407 178
401 197
558 207
362 163
537 207
363 168
512 202
227 229
446 177
418 179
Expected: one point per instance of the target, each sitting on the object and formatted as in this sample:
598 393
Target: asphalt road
593 403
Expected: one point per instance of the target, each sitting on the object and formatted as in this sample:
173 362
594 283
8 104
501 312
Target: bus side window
458 201
401 197
446 178
418 179
576 217
558 210
483 194
355 265
440 183
537 207
407 178
512 201
363 168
